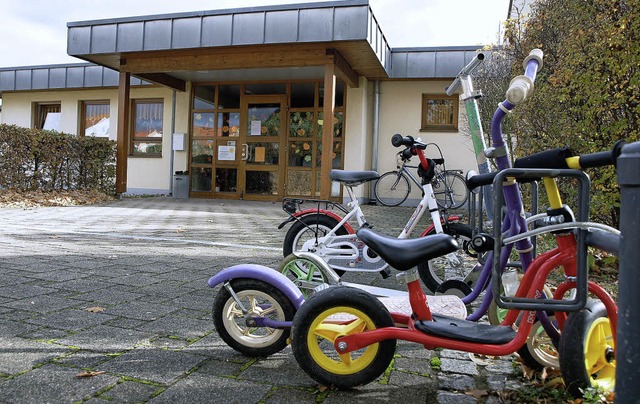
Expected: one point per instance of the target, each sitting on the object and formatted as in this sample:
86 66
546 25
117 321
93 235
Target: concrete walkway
120 289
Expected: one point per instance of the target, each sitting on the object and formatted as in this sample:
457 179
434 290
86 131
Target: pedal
385 273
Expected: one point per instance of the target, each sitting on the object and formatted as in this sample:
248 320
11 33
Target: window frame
38 119
133 139
452 127
83 112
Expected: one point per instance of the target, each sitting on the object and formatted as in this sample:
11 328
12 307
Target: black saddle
353 177
404 254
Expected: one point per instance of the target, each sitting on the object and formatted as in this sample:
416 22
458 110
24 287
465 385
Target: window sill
146 156
449 129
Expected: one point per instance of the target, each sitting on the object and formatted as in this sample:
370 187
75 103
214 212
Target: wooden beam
327 130
343 69
164 79
229 58
122 151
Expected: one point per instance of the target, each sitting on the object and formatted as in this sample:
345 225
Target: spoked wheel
260 300
450 190
392 188
306 228
587 351
303 272
438 270
336 312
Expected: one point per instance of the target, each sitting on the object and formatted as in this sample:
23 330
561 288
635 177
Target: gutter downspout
376 135
173 129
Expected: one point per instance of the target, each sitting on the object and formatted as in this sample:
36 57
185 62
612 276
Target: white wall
401 111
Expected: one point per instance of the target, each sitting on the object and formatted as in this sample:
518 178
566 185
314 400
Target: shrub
33 159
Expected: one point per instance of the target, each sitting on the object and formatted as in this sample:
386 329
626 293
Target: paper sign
260 151
256 127
226 153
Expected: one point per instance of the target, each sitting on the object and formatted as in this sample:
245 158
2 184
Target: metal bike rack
511 302
628 343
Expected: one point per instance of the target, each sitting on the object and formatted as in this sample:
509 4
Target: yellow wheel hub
329 326
599 342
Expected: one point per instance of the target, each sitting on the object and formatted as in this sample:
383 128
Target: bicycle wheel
305 229
587 356
262 300
438 270
450 190
335 312
392 188
303 272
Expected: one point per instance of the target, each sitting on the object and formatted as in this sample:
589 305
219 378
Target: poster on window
226 153
256 127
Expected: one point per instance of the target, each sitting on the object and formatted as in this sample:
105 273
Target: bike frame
428 202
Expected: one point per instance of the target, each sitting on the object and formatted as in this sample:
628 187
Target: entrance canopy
199 46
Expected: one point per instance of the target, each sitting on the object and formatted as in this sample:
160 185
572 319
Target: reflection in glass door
261 133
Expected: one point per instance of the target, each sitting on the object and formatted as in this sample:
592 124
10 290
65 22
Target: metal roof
63 76
347 26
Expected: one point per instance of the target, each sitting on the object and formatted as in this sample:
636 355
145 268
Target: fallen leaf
90 374
95 309
480 360
322 387
477 393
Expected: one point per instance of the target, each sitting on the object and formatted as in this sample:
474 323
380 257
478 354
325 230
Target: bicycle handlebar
466 71
563 158
398 140
521 86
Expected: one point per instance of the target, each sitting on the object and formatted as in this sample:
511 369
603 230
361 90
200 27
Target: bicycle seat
404 254
353 177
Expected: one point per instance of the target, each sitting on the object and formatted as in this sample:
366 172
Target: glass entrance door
262 130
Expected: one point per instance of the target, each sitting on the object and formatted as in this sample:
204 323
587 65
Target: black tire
230 323
325 366
587 330
450 190
305 229
433 272
392 188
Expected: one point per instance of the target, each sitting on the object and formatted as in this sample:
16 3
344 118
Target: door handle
244 153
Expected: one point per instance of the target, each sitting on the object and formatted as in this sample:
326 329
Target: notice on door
256 128
260 153
226 153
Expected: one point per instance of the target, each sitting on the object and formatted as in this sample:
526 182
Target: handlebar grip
398 140
479 180
601 159
519 89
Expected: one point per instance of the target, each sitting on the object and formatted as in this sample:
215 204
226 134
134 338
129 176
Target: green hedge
33 159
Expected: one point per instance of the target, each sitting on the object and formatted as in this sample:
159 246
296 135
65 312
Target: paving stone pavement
120 288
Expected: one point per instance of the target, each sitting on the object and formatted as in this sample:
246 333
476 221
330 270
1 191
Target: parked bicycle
394 187
319 229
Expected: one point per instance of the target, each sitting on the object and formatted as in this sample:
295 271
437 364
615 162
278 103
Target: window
94 119
47 116
439 112
147 128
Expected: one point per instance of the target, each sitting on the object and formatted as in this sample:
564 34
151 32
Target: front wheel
450 190
587 351
261 300
392 188
438 270
332 313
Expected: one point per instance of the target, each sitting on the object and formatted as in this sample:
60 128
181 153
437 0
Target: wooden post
327 129
124 110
